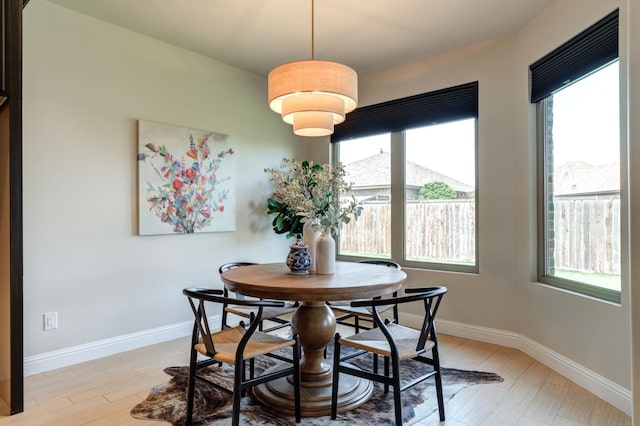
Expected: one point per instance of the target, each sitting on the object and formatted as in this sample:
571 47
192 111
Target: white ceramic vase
309 236
325 254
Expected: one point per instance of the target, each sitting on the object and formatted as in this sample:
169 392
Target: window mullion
397 194
541 113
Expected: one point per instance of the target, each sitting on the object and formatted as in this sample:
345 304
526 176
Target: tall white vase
325 254
309 236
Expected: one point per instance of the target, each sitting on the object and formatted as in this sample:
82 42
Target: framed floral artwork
186 180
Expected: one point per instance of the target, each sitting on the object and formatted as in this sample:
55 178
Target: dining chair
353 315
276 315
235 346
396 343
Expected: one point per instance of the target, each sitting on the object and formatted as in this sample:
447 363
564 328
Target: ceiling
368 35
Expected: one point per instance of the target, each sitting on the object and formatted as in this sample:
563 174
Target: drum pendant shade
313 95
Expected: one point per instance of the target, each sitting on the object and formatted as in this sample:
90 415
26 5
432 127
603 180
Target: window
440 193
576 91
413 162
367 162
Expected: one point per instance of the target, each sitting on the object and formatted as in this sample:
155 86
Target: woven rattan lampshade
313 95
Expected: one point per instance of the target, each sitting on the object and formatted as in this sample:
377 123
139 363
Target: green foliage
286 220
437 191
330 221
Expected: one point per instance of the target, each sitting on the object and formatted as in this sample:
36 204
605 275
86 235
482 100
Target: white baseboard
76 354
600 386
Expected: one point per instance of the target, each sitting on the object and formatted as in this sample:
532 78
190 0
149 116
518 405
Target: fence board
586 235
436 231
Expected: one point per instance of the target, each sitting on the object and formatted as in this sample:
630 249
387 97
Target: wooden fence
586 233
440 231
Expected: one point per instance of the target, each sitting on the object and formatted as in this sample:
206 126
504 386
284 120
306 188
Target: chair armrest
414 295
214 295
424 289
199 292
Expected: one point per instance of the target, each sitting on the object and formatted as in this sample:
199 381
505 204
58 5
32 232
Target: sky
586 125
445 148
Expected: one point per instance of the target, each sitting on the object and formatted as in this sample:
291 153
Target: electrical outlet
50 321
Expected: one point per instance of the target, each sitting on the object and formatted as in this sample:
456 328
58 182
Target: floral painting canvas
186 180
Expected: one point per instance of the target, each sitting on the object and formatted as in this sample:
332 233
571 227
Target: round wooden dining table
315 324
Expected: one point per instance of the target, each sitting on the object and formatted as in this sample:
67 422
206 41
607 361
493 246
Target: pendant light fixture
313 95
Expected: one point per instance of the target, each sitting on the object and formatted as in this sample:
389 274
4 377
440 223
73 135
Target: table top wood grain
351 280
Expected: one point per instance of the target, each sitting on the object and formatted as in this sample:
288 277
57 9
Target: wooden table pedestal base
316 396
315 323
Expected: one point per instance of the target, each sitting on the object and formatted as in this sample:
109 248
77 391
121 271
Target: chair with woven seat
273 314
344 312
235 346
396 343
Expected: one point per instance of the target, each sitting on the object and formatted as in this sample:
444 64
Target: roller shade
450 104
591 49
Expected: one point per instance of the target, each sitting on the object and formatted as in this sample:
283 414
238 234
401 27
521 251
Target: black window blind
450 104
591 49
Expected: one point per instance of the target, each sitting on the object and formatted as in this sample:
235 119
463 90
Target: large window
576 91
415 173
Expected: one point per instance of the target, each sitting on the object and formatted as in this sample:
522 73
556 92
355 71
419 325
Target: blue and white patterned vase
299 259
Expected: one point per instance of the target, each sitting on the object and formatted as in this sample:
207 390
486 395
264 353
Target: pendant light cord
313 54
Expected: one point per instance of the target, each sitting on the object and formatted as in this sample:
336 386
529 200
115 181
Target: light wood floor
102 392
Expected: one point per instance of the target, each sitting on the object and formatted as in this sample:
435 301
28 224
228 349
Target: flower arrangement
185 197
308 193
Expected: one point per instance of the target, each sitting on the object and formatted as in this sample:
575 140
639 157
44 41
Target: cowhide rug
167 402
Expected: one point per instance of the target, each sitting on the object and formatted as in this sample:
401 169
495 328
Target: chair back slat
201 322
431 305
382 325
253 325
200 326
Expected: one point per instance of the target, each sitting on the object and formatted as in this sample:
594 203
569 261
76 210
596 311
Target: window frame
586 53
397 166
542 114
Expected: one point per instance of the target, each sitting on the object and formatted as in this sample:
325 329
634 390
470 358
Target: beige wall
504 295
86 83
565 322
5 306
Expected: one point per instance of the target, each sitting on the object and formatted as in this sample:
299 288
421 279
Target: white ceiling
368 35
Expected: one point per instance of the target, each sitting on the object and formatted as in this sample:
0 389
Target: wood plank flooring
102 392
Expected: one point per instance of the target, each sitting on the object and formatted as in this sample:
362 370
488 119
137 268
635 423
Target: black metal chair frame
344 314
431 297
280 322
202 334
